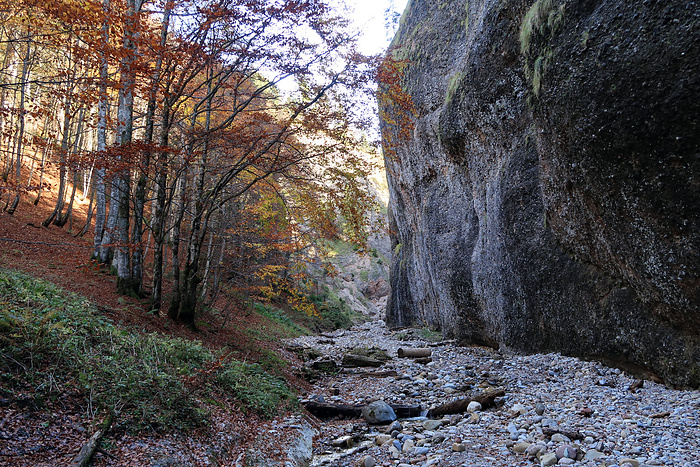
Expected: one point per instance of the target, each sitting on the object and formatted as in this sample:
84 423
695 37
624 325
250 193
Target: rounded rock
378 412
548 459
540 408
566 451
430 425
474 406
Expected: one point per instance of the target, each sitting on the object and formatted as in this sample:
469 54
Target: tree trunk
41 171
63 161
198 231
124 137
486 399
62 219
20 132
140 194
160 213
100 191
174 307
84 230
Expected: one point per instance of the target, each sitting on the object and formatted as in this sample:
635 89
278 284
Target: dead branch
89 448
486 399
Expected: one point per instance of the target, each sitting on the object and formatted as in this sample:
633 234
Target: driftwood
441 343
639 384
562 431
413 353
89 448
353 361
326 410
486 399
406 411
377 374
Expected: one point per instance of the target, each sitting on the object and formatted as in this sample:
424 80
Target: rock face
548 197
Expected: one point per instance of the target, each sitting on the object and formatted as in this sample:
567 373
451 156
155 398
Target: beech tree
181 113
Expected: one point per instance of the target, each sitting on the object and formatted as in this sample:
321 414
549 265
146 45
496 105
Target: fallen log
413 353
89 448
326 410
486 399
441 343
377 374
562 431
353 361
406 411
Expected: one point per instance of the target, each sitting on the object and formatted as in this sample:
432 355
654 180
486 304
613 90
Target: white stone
474 406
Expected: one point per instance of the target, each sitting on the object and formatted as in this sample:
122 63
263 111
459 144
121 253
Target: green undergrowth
333 312
283 324
430 335
53 342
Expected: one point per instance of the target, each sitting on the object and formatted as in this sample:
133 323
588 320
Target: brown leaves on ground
37 432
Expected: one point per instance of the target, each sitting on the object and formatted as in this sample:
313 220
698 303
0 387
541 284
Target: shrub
52 341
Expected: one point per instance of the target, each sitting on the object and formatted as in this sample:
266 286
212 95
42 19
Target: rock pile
555 410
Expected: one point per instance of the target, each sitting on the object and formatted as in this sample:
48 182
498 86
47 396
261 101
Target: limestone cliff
549 197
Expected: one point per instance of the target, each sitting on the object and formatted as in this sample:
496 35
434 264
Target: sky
369 16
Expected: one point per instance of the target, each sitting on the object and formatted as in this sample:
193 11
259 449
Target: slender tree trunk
100 191
160 214
63 161
9 76
62 219
175 245
41 170
20 133
207 265
84 230
140 194
198 230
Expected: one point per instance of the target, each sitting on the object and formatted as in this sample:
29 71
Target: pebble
474 406
430 425
654 426
520 448
540 408
548 459
627 460
381 440
566 450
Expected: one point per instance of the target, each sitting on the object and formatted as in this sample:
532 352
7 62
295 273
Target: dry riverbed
556 410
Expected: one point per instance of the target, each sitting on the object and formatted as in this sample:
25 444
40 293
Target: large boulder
378 413
548 196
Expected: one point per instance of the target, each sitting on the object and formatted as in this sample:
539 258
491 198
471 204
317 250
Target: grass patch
371 352
53 342
285 326
255 388
430 335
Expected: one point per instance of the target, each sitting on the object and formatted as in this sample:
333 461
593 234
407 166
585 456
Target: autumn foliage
217 141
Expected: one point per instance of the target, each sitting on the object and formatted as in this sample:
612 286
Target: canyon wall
547 195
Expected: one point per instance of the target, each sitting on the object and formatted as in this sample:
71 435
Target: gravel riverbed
556 410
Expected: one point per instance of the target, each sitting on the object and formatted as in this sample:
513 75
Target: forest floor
55 432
